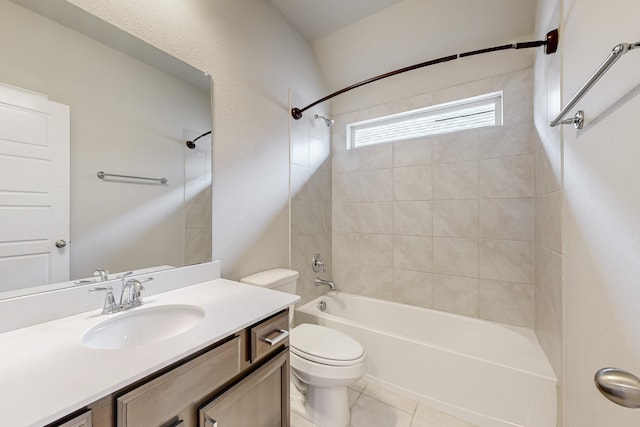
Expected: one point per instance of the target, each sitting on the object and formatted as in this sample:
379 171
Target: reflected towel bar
578 120
103 175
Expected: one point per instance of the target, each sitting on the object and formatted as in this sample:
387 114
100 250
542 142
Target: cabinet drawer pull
283 335
178 423
210 422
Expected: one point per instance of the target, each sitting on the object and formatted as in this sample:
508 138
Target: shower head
192 144
328 122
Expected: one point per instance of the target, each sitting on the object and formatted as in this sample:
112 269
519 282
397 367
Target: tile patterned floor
375 406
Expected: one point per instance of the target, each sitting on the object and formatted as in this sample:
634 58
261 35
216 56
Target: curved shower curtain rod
550 43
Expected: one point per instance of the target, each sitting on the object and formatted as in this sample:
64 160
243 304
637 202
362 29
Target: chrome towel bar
103 175
578 120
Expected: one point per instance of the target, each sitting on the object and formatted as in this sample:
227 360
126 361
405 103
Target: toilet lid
324 345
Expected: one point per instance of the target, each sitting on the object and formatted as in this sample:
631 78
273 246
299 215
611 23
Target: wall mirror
132 107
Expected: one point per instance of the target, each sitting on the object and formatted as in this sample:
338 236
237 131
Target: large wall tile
510 303
510 219
365 158
412 218
359 217
506 141
412 153
455 256
548 163
455 218
412 183
371 249
507 260
507 177
412 287
457 180
412 253
549 278
454 294
548 214
364 186
456 147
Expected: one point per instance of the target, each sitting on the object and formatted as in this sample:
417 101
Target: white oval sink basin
143 326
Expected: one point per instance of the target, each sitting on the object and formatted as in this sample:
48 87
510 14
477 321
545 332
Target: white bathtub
488 373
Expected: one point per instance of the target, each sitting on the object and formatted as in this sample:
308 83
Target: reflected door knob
61 243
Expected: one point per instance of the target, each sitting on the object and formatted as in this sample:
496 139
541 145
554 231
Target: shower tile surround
198 205
310 183
443 222
548 323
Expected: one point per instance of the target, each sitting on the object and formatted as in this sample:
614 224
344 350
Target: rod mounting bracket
551 42
296 113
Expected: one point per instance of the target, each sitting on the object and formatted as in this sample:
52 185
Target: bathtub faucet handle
317 264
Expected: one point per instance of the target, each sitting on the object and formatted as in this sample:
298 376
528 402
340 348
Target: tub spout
329 283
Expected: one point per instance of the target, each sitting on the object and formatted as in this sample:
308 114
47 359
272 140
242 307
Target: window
470 113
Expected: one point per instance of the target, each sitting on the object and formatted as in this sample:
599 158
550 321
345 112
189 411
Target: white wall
120 123
414 31
601 222
601 210
254 56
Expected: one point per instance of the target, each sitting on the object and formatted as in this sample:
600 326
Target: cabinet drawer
83 420
160 400
269 335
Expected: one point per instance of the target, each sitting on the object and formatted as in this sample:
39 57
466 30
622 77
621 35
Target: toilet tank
278 279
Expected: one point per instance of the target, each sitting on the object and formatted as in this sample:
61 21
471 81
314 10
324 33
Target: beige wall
254 56
414 31
445 222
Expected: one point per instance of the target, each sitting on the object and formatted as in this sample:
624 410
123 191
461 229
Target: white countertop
46 372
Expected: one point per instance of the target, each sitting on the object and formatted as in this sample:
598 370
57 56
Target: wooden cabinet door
259 400
175 396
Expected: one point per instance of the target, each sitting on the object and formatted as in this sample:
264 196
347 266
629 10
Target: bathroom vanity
229 369
239 381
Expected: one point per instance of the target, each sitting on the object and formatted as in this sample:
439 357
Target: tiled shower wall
548 205
443 222
310 198
198 204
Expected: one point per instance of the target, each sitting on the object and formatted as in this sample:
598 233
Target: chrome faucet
329 283
131 295
104 274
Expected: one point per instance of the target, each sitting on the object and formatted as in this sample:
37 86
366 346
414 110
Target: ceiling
315 19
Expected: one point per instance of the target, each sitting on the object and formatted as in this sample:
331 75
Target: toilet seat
325 346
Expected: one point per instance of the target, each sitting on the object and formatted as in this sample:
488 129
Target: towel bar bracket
577 120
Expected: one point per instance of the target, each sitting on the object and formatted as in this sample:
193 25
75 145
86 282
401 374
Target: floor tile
300 421
359 386
369 412
397 401
353 396
429 417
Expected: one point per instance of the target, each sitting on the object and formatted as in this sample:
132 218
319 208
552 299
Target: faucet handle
109 306
317 263
123 275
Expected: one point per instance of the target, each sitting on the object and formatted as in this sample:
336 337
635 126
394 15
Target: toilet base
327 407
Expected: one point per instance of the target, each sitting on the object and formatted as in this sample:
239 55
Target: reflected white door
34 189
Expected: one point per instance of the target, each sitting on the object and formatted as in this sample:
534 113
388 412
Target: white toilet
323 360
